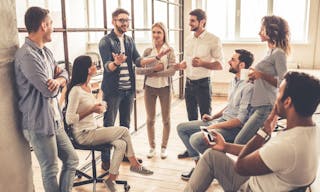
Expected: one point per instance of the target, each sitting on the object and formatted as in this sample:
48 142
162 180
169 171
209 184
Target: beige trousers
118 137
150 99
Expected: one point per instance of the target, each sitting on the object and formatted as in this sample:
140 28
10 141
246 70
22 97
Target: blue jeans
47 149
123 103
192 138
198 93
254 122
200 144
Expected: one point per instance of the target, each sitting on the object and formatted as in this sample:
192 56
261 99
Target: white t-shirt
293 158
207 47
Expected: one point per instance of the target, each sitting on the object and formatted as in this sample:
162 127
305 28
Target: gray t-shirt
274 64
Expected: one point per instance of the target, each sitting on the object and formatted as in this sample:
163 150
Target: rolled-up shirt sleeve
216 51
244 108
73 103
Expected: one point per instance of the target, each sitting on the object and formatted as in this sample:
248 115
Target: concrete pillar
15 161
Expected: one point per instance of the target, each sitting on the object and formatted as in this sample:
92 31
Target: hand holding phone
208 135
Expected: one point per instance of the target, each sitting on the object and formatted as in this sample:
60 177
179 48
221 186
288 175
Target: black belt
198 80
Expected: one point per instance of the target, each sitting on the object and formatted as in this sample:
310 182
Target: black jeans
198 93
122 103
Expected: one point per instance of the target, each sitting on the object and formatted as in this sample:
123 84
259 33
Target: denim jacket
109 44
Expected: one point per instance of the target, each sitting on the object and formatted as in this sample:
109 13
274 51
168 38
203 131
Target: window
240 20
85 25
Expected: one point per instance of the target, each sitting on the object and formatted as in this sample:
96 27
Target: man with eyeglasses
118 52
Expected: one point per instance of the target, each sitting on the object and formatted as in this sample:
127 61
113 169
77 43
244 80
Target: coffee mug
244 74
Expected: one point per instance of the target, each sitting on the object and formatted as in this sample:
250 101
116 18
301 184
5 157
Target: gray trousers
215 165
119 137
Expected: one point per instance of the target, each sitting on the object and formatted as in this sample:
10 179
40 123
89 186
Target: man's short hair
118 12
200 14
245 56
33 18
304 91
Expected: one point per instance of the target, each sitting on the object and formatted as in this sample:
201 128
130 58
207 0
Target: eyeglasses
123 20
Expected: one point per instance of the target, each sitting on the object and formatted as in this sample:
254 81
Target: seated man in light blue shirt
229 120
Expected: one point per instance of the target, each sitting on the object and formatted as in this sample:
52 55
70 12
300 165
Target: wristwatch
263 134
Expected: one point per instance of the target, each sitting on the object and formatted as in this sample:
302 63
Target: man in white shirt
284 163
203 53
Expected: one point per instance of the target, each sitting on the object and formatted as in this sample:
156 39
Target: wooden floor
166 177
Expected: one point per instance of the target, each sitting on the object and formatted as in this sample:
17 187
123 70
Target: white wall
306 55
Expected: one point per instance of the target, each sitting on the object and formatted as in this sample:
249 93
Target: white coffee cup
104 104
244 74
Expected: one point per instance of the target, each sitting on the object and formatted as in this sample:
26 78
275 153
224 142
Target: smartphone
208 135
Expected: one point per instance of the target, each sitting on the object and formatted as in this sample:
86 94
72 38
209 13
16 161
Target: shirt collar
201 36
163 47
34 46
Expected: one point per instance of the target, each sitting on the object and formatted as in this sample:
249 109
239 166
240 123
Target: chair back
76 145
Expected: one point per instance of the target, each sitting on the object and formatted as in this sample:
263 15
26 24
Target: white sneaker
164 153
152 153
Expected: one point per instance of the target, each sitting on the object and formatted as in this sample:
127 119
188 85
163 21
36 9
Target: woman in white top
158 84
267 74
81 106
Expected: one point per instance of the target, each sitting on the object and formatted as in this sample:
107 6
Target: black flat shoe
125 159
185 154
186 175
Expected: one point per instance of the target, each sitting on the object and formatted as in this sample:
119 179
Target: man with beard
203 53
229 120
118 52
285 162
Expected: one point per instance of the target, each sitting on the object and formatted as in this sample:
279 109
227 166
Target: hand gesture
271 121
196 62
254 74
119 58
182 65
207 117
163 52
158 67
98 108
53 84
220 142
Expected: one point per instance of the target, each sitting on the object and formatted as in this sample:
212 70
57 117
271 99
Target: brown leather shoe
105 166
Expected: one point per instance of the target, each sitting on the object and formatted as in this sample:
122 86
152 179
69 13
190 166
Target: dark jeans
198 94
122 102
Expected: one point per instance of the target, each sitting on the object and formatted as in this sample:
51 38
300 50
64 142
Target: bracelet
116 65
157 58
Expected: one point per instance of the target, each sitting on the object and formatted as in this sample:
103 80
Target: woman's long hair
277 29
80 71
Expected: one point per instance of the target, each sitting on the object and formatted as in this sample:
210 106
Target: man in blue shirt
229 120
38 81
118 52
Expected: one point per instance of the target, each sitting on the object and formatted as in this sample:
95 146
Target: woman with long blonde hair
158 85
